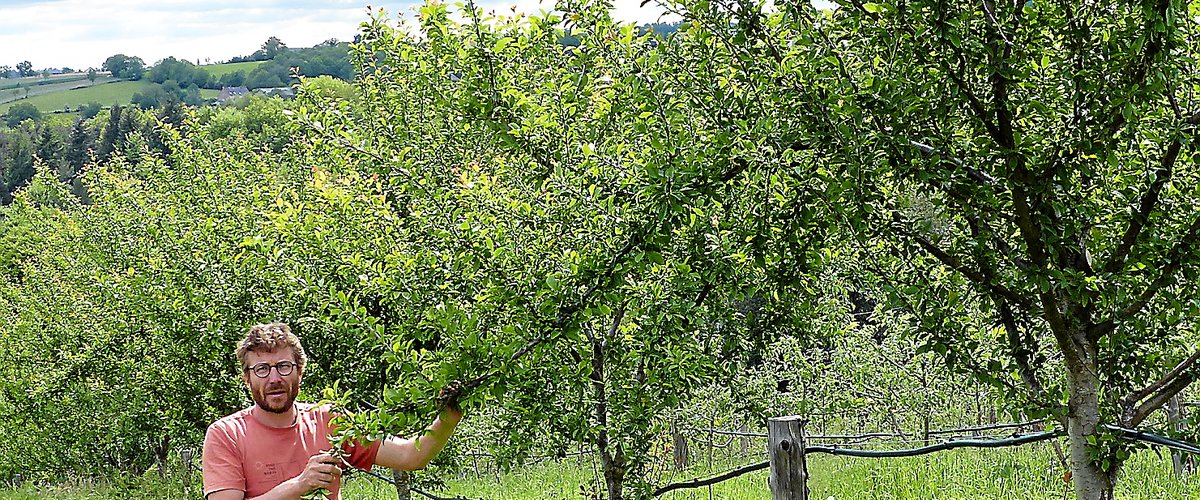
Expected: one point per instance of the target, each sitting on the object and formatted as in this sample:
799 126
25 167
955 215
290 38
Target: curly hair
270 337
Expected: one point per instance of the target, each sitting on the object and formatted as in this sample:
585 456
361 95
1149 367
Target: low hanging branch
1155 395
698 482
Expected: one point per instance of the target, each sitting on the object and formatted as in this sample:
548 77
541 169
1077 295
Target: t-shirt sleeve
222 464
362 455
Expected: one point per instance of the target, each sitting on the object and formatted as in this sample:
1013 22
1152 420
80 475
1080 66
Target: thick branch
1139 68
1164 386
1021 352
976 276
1149 200
1160 398
1184 248
977 175
973 101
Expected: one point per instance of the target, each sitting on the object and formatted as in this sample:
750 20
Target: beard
263 399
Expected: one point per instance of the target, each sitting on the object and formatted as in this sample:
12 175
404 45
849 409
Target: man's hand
449 395
322 472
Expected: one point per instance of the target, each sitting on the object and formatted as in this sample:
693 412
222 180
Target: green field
18 93
74 90
108 94
223 69
37 81
1023 473
1015 473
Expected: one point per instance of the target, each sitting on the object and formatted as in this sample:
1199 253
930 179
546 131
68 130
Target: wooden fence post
1184 465
401 478
185 466
744 439
785 449
679 447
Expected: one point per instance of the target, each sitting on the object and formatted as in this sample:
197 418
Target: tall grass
1028 472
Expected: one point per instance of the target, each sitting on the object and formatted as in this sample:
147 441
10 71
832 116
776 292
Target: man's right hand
323 471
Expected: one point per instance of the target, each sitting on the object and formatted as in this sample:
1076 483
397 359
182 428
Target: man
278 449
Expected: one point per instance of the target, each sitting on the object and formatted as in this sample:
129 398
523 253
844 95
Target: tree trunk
614 472
401 480
1083 417
612 458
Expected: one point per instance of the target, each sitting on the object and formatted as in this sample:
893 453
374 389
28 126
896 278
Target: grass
14 94
75 90
1012 474
108 94
36 81
224 69
120 92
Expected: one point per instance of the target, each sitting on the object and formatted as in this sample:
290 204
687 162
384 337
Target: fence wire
1016 440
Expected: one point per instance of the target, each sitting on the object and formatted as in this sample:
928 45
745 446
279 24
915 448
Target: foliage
962 148
123 66
21 112
25 68
330 58
590 238
89 110
182 72
147 291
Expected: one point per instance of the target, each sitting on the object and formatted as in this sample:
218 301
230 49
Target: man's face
274 393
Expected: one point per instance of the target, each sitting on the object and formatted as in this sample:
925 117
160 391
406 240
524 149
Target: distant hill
219 70
120 92
11 90
171 76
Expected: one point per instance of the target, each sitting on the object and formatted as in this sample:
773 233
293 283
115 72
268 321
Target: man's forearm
414 454
439 434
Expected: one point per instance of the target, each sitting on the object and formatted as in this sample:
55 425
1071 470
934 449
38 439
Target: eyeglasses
263 370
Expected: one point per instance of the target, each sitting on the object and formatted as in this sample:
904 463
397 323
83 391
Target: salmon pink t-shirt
240 453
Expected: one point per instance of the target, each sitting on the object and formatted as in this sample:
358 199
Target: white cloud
82 33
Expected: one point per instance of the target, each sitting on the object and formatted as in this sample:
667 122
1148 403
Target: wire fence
414 489
1016 440
848 446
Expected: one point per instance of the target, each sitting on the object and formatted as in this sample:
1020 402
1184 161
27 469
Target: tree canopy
587 236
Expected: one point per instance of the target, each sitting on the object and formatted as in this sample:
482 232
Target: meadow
226 68
1028 472
120 92
56 93
10 92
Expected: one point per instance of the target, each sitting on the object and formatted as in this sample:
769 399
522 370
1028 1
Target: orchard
870 208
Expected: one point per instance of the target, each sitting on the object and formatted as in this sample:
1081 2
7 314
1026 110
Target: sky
82 33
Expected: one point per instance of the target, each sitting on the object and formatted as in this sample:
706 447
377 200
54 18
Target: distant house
228 93
282 92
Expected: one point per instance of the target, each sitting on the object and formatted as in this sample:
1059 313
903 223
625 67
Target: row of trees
639 221
65 150
329 58
23 69
1028 216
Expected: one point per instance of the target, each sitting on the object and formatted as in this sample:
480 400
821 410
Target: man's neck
277 420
